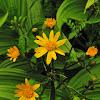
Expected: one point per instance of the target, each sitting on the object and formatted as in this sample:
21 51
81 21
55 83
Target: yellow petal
36 86
38 49
15 47
56 36
44 36
36 95
41 53
39 42
60 52
22 98
10 59
32 98
51 35
9 55
49 58
14 59
53 54
27 82
18 91
40 38
17 95
60 42
20 86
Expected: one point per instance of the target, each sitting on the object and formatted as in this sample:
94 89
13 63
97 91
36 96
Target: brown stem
43 89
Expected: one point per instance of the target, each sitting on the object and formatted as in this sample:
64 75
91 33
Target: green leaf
74 9
82 78
7 40
89 3
3 19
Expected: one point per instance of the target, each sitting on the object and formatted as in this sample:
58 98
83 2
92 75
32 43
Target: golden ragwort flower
13 53
92 51
49 45
27 92
50 22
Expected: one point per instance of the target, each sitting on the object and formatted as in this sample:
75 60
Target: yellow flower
83 99
49 45
27 92
50 22
13 53
92 51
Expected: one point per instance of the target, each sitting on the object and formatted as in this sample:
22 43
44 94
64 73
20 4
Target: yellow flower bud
34 29
93 77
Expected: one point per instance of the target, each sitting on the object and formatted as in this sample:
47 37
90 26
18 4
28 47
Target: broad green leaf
89 3
8 38
3 19
82 78
74 9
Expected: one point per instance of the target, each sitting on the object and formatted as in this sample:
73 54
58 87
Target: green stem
78 92
43 89
44 64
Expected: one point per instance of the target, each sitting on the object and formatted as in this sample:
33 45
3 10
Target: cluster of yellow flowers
49 46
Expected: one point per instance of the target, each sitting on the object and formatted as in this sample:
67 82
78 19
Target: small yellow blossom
50 22
83 99
49 45
92 51
27 92
13 53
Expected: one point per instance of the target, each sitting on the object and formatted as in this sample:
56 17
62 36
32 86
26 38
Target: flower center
50 45
28 92
15 54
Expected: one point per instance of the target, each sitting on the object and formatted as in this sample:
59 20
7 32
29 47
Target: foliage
74 76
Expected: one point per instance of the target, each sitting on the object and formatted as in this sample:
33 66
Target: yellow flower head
27 92
50 22
49 45
13 53
83 99
92 51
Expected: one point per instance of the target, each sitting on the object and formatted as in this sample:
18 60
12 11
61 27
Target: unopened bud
88 8
93 77
15 18
76 98
19 18
92 63
87 86
92 88
90 82
34 29
44 27
80 57
11 26
12 21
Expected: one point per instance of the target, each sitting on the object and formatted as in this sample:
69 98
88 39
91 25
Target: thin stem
78 92
44 64
52 97
91 15
65 86
61 83
43 79
86 67
43 89
72 64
